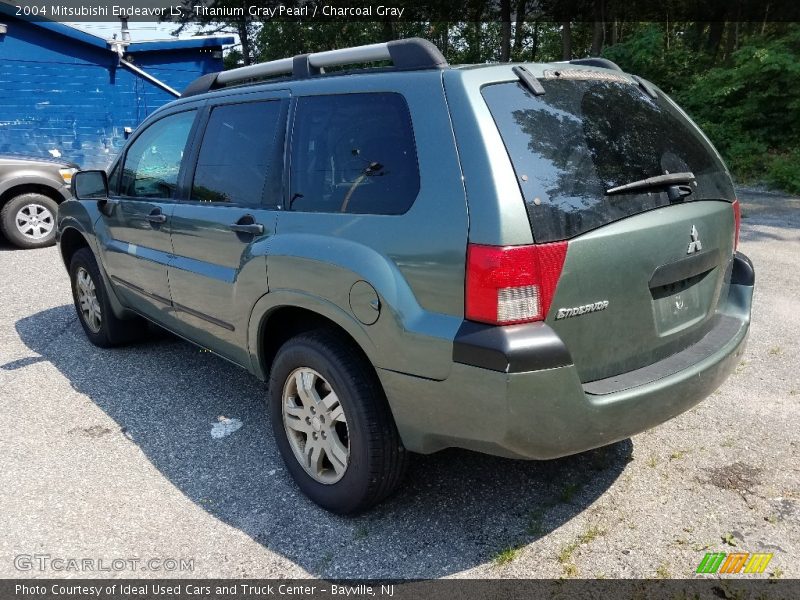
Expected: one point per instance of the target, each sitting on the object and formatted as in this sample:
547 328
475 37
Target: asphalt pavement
160 451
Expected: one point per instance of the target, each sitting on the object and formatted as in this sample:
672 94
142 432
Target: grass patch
506 555
652 461
564 555
775 350
729 539
678 454
590 534
662 572
570 570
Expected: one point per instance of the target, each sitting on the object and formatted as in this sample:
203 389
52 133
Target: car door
222 234
135 232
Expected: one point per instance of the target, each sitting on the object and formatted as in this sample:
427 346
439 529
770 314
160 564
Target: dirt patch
95 431
737 476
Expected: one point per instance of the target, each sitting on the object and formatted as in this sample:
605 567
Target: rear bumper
549 413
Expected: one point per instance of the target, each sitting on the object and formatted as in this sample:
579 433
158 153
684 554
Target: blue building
70 94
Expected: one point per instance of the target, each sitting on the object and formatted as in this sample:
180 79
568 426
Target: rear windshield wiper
660 181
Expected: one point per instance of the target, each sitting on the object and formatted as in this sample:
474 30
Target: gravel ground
120 453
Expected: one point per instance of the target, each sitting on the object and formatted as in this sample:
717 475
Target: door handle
156 216
254 228
247 224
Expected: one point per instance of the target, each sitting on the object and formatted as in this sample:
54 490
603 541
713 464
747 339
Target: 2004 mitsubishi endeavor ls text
524 260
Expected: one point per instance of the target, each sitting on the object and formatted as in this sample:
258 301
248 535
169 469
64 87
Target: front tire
102 327
29 220
332 423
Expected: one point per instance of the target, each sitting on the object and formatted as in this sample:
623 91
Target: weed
591 534
565 554
506 555
570 570
777 573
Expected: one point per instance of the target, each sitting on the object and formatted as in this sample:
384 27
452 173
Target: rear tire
102 327
326 404
29 220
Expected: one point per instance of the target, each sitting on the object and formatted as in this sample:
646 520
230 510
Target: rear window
584 136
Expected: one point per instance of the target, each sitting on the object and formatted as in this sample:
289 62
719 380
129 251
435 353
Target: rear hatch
645 265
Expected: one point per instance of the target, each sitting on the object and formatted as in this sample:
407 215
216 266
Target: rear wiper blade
660 181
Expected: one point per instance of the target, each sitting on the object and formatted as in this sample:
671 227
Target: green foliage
750 109
648 54
783 171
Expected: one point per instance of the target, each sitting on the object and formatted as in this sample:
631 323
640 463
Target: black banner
311 11
455 589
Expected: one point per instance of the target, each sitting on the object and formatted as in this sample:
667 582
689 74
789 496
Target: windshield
585 136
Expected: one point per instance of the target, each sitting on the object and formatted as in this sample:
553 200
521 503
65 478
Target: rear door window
353 153
241 156
584 136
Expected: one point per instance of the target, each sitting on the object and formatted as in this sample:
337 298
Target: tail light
737 222
512 284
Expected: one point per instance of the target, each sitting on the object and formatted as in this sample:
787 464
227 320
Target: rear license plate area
679 304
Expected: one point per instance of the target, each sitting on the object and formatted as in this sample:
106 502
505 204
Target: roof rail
406 55
603 63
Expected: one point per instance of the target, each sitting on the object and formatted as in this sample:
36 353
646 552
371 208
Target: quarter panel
405 337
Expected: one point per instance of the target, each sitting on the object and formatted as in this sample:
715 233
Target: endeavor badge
564 313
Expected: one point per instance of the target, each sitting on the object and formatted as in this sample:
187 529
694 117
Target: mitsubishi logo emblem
694 245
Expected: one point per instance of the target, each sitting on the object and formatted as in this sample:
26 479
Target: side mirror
90 185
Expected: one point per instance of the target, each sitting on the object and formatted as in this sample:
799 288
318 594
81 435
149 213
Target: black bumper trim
742 272
509 349
725 329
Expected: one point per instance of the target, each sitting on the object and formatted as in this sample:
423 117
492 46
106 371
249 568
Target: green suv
523 260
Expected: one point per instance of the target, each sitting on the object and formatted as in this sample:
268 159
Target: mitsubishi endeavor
526 260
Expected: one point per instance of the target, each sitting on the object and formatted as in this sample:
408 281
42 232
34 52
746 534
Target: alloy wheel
87 300
34 221
316 425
